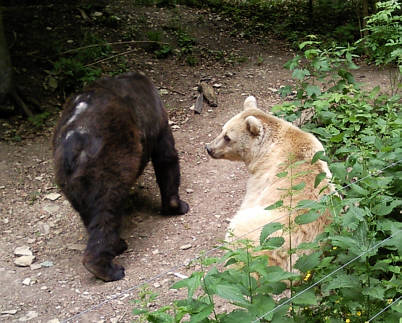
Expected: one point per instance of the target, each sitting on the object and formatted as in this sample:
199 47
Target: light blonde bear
265 144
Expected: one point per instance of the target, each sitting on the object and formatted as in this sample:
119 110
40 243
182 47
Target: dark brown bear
102 143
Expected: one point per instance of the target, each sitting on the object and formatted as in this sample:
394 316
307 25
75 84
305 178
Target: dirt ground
57 286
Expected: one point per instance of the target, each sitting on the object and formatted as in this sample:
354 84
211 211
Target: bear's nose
209 151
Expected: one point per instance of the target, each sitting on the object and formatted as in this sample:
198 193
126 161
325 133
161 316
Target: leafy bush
383 40
352 272
71 72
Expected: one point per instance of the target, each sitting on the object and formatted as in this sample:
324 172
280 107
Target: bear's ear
254 126
250 103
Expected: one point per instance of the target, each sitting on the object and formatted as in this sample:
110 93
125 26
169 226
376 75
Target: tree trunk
6 70
7 86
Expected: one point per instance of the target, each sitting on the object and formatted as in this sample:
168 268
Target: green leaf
300 74
273 243
281 175
202 314
319 155
308 262
307 298
269 229
319 178
307 217
261 305
313 90
358 190
191 283
276 205
374 292
299 187
384 209
341 281
338 170
230 292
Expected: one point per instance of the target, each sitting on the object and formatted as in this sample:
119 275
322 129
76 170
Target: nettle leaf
268 229
261 304
299 187
202 314
191 283
384 209
281 175
308 262
340 281
374 292
230 292
358 189
300 74
307 217
238 316
273 243
313 90
353 216
310 204
277 274
338 170
307 298
276 205
319 178
319 155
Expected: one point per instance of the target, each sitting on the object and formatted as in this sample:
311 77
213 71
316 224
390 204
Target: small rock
35 266
31 240
51 209
53 321
175 127
47 263
97 14
199 103
44 228
157 285
29 316
163 92
26 281
9 312
52 196
155 252
179 275
217 85
186 246
76 246
22 251
189 191
24 261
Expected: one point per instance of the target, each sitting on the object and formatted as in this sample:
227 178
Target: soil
160 247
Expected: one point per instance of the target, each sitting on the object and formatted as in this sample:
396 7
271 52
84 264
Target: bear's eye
226 138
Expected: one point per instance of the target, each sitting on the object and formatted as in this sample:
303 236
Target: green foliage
71 72
383 39
352 271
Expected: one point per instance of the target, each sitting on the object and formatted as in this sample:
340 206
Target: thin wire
214 249
384 309
325 277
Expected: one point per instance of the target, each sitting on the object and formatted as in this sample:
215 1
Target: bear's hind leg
103 245
167 170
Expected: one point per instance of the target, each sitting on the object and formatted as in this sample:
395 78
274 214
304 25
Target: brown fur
102 143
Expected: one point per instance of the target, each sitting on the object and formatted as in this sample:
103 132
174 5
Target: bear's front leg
103 245
167 170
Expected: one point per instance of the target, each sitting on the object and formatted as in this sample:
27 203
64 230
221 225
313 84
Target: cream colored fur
265 144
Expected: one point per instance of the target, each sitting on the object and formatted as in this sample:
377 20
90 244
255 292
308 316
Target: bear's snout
210 150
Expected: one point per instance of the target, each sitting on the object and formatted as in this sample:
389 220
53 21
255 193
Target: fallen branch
112 44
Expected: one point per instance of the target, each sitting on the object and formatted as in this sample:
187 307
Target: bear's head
241 135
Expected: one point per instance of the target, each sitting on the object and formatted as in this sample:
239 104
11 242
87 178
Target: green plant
72 72
383 39
38 120
352 272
